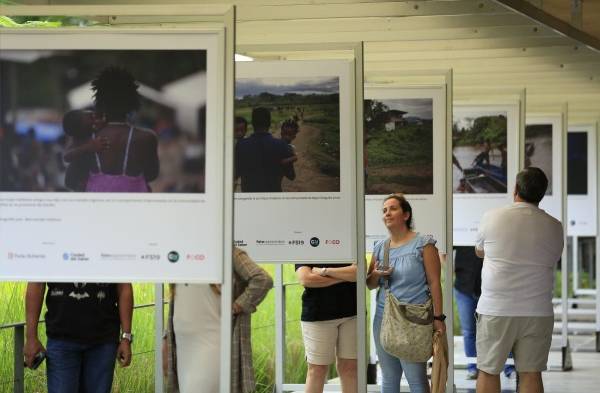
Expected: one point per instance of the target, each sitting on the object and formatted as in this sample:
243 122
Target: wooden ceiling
562 10
491 46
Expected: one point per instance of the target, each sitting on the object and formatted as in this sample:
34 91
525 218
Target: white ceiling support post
449 268
566 362
597 242
361 321
159 318
228 65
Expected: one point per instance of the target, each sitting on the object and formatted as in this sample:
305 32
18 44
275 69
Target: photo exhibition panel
543 149
484 164
582 166
294 160
404 152
112 160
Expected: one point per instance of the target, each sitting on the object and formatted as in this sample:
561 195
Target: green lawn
140 376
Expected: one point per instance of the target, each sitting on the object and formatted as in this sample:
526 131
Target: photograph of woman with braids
103 121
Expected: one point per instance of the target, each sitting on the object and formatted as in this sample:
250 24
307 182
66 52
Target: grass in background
139 377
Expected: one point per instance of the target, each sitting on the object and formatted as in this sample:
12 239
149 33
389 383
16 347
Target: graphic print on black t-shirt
327 303
82 312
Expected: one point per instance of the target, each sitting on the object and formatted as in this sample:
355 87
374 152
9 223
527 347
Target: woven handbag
406 329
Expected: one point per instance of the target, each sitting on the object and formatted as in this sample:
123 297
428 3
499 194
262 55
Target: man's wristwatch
441 317
127 336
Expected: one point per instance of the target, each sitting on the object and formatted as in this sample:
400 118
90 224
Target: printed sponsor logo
26 255
271 242
76 256
314 241
296 242
334 242
240 243
173 256
150 257
118 257
195 257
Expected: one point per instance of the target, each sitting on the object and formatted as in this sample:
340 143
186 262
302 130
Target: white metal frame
221 17
353 51
427 79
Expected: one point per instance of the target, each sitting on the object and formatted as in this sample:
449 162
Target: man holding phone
88 327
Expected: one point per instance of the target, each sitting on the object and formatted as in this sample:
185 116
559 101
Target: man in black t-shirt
88 326
329 323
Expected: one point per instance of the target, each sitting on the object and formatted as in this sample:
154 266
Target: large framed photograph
479 152
484 163
298 150
294 159
111 157
543 149
582 165
404 150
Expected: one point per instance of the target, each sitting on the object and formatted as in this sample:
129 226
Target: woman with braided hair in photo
129 160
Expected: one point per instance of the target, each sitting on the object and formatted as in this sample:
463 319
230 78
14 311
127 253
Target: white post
575 259
361 308
159 317
564 266
228 65
279 329
597 239
449 272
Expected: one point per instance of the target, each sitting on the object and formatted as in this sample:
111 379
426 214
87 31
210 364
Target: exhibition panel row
295 192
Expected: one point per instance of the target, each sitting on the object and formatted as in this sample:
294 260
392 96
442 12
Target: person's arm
125 305
308 279
78 150
374 275
259 283
433 270
34 297
345 273
289 160
479 242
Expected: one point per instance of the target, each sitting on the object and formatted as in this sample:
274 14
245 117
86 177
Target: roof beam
467 44
366 23
553 51
250 36
551 21
382 9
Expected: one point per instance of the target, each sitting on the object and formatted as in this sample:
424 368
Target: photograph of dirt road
399 146
479 152
538 150
304 129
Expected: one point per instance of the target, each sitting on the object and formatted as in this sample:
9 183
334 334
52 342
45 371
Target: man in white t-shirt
520 245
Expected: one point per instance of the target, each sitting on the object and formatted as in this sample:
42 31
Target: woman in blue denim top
414 275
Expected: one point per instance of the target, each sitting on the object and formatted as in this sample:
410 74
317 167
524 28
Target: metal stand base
567 360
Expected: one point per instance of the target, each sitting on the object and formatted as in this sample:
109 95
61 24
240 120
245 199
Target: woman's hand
98 145
318 271
379 271
439 326
237 309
